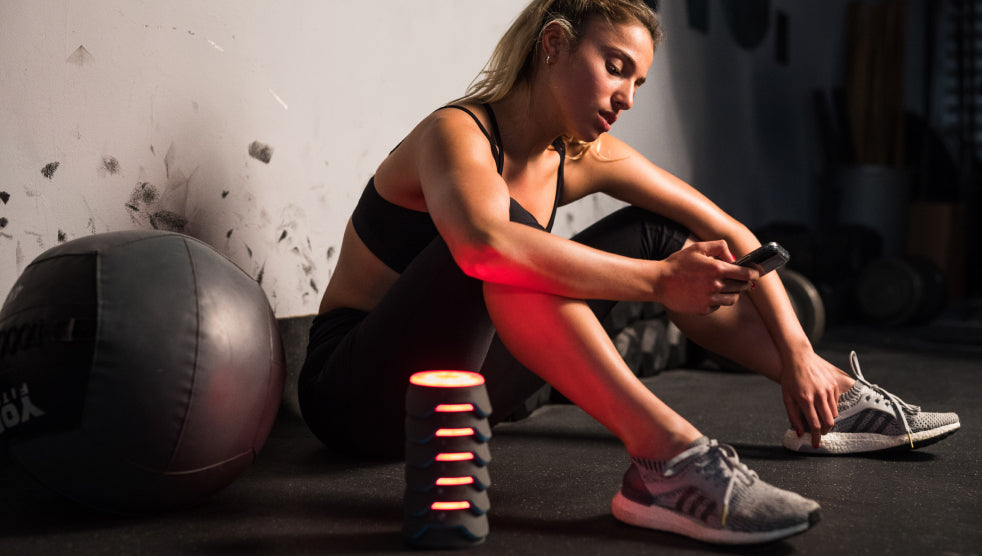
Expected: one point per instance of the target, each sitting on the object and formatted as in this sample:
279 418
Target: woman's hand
811 394
700 278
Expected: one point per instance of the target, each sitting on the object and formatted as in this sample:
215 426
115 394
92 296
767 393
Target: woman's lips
608 119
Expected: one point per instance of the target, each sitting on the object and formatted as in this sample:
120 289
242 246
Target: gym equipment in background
895 291
447 433
807 303
140 371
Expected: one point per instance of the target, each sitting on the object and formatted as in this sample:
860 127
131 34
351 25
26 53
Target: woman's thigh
434 317
631 232
352 393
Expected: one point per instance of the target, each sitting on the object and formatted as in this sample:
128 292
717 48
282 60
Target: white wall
172 94
149 110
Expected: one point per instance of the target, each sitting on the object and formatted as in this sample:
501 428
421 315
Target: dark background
849 131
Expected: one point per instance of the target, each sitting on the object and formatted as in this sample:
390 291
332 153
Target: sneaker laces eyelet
898 405
722 453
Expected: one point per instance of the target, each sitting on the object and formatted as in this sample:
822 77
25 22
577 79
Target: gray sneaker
871 419
707 494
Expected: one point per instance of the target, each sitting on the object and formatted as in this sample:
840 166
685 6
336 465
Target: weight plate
889 291
807 303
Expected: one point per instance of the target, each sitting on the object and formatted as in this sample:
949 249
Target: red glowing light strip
454 407
455 481
467 431
446 379
454 456
462 505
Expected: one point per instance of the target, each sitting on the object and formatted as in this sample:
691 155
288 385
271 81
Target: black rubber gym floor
553 476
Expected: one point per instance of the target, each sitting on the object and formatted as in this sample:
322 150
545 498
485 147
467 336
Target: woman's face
597 79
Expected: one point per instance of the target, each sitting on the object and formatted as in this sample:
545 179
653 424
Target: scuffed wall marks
144 206
5 222
49 169
52 208
55 209
261 151
148 206
4 198
292 249
216 120
110 165
80 57
273 250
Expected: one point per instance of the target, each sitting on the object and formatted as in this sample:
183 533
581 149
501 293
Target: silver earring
548 59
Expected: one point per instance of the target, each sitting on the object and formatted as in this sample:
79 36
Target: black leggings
353 383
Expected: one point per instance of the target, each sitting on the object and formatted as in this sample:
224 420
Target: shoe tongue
848 398
686 454
701 441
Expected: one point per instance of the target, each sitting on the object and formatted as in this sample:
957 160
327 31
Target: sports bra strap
495 140
499 149
499 156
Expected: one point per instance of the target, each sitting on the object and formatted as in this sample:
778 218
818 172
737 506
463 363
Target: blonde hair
515 58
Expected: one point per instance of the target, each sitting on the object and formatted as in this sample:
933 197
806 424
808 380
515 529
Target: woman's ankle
667 447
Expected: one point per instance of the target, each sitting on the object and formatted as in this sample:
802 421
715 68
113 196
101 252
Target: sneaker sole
855 442
663 519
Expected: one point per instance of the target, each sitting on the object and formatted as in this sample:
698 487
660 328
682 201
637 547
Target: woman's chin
587 137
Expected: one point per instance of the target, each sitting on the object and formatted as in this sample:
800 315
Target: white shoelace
727 454
898 404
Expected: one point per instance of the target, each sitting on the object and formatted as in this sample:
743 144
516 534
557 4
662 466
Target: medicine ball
139 371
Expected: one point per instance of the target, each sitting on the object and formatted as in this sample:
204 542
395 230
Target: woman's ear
554 40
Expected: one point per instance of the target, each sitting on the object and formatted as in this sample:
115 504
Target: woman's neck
528 125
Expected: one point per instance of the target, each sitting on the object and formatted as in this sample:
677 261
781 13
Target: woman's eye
612 69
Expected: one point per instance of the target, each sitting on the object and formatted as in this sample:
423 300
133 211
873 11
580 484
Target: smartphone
766 258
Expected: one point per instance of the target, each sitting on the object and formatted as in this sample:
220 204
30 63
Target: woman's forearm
519 255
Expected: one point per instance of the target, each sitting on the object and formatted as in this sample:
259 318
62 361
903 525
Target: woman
447 263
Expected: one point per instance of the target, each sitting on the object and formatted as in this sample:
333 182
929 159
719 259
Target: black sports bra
396 235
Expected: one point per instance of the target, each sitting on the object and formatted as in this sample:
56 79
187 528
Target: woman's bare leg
739 334
562 341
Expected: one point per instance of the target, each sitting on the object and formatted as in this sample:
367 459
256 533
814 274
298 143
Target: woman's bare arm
469 204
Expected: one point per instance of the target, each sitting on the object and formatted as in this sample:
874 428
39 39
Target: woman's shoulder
590 167
448 117
599 155
465 117
444 138
454 126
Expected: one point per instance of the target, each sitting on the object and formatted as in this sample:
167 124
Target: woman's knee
635 232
